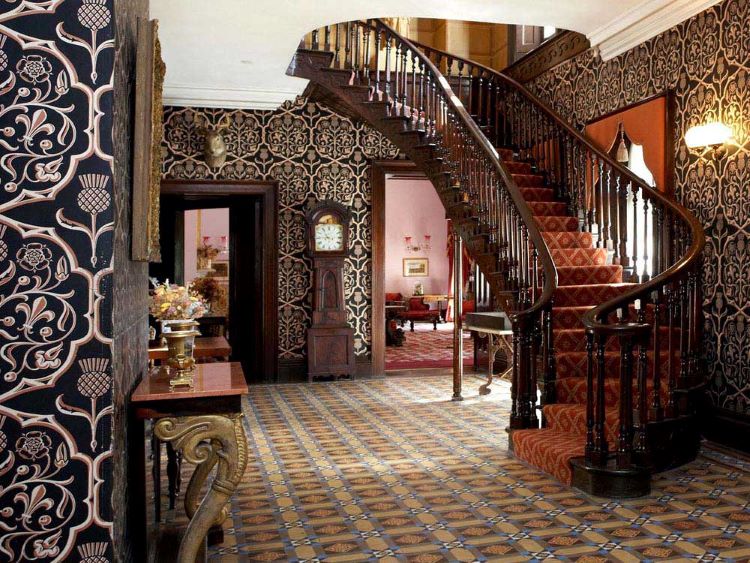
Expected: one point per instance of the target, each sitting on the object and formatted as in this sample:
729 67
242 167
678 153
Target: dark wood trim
380 170
562 46
669 131
728 428
268 191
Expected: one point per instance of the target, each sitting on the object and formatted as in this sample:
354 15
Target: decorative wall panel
706 61
56 222
313 154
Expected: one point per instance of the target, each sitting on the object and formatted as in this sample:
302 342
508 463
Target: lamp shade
707 135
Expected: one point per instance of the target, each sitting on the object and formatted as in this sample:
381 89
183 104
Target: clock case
330 340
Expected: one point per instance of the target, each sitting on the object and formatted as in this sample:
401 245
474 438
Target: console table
205 347
204 424
496 327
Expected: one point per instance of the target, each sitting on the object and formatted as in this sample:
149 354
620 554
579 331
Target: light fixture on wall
424 246
711 137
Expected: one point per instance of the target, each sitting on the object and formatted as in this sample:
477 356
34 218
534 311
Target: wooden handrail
545 256
688 260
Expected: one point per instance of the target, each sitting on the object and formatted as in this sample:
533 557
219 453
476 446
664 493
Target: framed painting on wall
147 134
416 267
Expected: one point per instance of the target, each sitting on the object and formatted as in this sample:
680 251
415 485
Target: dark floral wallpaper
706 61
314 154
56 222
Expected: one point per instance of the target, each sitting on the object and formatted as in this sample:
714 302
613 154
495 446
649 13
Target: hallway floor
391 470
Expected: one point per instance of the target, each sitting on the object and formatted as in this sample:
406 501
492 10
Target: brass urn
180 345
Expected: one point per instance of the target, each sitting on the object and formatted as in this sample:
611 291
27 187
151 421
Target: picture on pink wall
416 267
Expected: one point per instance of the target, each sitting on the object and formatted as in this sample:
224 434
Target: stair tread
549 450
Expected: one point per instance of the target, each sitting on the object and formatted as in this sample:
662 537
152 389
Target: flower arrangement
212 292
206 253
171 302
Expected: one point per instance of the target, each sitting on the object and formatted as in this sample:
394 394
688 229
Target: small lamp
711 136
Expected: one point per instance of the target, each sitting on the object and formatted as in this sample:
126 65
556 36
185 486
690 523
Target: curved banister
548 266
674 271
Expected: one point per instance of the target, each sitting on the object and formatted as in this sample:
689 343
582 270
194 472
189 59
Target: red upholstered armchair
419 311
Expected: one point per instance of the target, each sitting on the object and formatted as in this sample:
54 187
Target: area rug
392 470
427 348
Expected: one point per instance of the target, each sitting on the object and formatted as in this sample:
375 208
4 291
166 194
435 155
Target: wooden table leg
484 389
206 441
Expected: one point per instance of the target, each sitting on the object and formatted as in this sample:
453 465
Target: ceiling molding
642 22
227 98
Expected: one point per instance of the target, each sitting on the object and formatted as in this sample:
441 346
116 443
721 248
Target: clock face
329 237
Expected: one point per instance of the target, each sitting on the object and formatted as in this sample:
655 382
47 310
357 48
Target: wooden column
458 299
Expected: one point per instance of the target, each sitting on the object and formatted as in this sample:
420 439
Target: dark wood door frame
267 191
380 171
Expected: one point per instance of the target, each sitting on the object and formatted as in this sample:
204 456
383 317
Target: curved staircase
598 272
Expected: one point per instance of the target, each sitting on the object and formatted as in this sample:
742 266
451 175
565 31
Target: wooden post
458 298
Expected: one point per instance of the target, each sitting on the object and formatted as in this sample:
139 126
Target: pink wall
412 207
214 223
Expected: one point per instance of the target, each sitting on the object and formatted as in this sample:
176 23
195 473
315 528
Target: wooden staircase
598 272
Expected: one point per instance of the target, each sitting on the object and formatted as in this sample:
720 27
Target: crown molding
642 22
182 95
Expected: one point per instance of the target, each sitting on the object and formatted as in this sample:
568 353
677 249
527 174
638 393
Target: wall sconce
711 137
411 246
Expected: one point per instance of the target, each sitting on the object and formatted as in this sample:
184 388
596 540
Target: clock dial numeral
329 237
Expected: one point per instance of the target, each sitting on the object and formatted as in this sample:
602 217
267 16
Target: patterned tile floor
427 348
390 470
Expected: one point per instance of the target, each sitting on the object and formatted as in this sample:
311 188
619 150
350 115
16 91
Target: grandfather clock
330 340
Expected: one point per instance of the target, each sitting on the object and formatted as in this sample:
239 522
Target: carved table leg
206 440
484 389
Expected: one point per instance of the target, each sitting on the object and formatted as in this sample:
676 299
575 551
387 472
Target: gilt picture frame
147 136
416 267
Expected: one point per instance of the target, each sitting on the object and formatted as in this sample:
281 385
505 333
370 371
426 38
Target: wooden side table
204 424
205 347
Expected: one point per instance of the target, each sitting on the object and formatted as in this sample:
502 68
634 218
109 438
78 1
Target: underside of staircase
615 369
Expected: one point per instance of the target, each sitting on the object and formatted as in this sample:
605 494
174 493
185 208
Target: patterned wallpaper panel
56 221
706 61
314 154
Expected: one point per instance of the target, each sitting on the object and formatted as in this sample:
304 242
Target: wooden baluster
622 214
646 238
461 82
348 46
684 332
550 372
516 381
591 195
405 111
599 204
336 57
414 91
327 39
315 45
356 53
607 206
378 93
625 434
397 76
366 59
422 115
480 99
659 238
671 346
616 221
590 443
636 231
656 408
599 455
641 439
388 77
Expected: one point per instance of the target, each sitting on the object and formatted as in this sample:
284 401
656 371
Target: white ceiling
234 53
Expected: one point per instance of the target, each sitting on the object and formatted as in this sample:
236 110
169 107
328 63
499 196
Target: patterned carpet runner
585 279
391 470
427 348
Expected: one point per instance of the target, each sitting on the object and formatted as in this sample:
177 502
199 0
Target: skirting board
729 429
295 371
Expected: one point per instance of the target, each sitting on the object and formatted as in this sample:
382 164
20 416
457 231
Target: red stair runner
584 280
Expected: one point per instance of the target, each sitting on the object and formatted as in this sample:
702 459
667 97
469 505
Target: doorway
231 228
412 318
